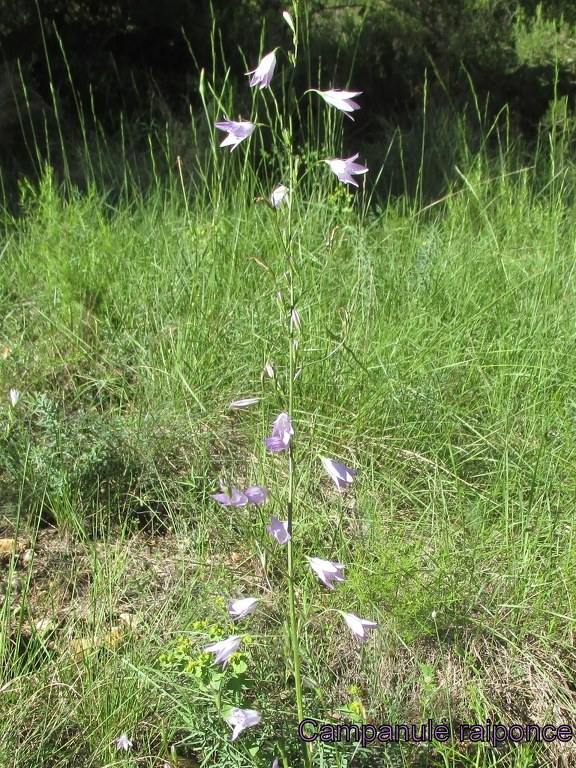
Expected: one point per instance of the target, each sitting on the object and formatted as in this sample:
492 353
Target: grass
439 340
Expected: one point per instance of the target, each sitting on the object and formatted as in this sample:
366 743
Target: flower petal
240 608
237 131
326 570
224 649
123 742
278 529
279 196
240 719
341 474
264 72
256 494
244 403
358 625
230 497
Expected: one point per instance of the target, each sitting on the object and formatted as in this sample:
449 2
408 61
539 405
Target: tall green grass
439 335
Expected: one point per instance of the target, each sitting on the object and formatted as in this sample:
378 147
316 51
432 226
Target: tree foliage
108 57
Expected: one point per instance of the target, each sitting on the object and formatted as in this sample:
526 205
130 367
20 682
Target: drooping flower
279 196
240 719
244 403
256 494
240 608
123 742
14 396
278 529
275 763
264 72
345 169
224 649
237 131
230 497
342 100
326 570
358 625
341 475
282 431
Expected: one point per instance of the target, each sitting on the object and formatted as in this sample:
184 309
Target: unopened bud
295 320
289 20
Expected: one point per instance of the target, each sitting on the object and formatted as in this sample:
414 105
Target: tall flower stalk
282 438
294 640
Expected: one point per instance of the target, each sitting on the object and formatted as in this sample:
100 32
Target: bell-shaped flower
14 396
358 625
341 475
237 131
278 529
123 742
345 169
282 431
342 100
240 608
275 763
244 403
326 570
240 719
279 196
230 497
256 494
264 72
224 649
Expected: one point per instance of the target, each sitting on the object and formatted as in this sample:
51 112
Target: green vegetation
438 338
441 348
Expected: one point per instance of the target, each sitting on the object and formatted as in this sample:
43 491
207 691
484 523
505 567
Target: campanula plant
284 434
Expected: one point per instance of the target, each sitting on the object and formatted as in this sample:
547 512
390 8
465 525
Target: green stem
294 640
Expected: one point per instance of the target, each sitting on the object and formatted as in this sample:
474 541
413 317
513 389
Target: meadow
437 335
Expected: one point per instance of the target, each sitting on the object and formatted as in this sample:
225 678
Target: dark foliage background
124 58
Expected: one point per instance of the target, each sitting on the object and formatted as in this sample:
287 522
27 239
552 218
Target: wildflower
358 626
240 719
282 431
237 132
14 396
345 169
230 497
279 196
224 649
256 494
326 570
342 100
275 763
245 403
264 72
279 530
123 742
240 608
289 20
341 475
